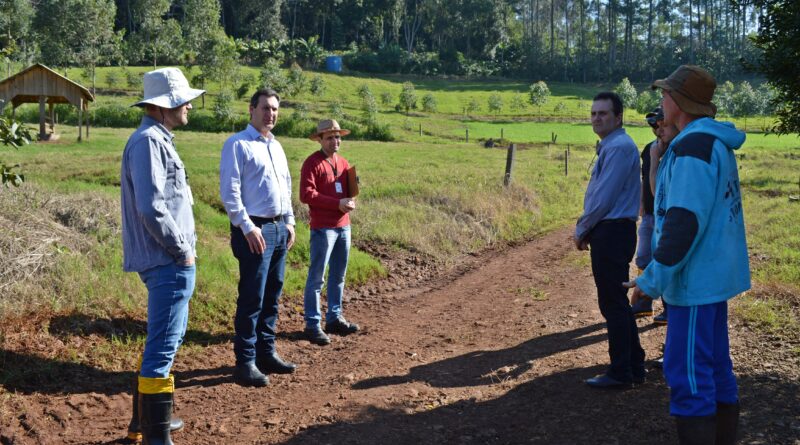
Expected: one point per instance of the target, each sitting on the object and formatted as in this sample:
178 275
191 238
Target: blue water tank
333 64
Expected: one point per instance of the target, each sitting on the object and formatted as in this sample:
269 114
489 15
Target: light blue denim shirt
615 188
254 179
157 220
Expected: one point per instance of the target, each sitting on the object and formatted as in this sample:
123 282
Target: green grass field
432 194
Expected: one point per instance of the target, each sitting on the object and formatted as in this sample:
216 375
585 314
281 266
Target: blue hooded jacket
699 246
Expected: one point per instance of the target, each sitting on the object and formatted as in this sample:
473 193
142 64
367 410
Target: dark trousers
260 286
612 246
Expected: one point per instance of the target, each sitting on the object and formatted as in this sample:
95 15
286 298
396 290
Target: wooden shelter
39 84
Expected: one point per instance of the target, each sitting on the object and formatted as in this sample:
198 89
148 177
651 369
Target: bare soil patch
492 351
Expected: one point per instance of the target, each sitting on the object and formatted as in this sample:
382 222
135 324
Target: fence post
501 134
420 129
512 148
566 162
467 134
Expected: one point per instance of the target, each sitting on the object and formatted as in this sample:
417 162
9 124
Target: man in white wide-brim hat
158 242
324 186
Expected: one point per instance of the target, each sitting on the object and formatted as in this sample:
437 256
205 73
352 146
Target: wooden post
42 134
52 115
501 133
467 135
420 129
512 148
566 162
87 120
80 120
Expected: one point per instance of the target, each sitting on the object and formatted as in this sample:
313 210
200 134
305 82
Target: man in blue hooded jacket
699 258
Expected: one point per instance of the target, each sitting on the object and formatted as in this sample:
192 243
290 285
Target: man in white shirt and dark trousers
256 189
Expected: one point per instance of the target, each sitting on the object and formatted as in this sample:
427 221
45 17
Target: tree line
566 40
554 40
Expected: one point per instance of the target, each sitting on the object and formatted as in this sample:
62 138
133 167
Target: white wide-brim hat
167 88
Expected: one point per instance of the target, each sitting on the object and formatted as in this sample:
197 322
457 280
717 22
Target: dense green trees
779 38
571 40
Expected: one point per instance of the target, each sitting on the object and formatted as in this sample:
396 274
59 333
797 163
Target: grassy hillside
431 194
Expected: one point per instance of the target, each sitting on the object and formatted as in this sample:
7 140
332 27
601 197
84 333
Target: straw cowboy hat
327 126
167 88
692 89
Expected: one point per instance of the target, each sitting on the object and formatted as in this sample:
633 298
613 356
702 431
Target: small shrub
112 79
386 98
429 103
244 88
300 112
133 79
495 103
518 102
337 110
560 107
370 108
627 93
317 86
273 77
408 97
647 101
538 93
364 91
222 109
296 81
473 106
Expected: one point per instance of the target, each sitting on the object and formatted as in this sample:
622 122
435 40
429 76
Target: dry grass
41 230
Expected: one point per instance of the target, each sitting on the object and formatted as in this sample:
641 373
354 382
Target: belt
261 220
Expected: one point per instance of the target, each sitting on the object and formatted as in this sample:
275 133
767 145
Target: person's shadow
28 372
486 367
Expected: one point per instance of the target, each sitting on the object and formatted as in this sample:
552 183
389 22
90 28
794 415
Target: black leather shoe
273 364
341 327
316 336
248 375
604 381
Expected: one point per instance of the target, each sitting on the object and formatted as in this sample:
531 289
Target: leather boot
727 423
155 411
696 430
134 431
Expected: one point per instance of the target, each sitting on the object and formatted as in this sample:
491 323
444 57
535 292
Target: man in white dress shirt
256 189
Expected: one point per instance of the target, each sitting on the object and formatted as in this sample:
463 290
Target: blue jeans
169 289
644 250
260 286
612 247
329 247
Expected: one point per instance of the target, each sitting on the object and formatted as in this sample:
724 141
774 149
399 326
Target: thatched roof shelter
39 84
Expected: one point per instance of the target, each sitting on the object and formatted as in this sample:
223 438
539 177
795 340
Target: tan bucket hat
326 126
167 88
692 89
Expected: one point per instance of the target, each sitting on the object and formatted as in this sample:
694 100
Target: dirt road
492 353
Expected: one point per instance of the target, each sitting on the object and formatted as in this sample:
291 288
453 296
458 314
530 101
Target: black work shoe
341 327
247 374
316 336
273 364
